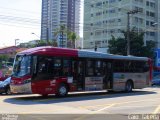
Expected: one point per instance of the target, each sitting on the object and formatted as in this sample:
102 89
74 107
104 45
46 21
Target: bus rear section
131 74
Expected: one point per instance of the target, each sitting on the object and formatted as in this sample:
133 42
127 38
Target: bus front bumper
23 88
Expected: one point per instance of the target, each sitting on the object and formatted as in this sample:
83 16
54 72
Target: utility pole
128 28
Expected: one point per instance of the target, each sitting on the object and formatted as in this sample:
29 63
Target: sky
18 20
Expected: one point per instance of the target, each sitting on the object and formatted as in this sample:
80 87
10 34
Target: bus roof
48 50
92 54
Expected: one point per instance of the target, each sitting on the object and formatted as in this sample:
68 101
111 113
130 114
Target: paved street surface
83 106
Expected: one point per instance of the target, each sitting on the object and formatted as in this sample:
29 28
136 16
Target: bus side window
34 64
66 67
80 67
45 65
90 68
145 67
74 68
41 66
57 67
98 66
119 66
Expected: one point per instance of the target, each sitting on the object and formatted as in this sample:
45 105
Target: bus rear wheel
129 86
62 90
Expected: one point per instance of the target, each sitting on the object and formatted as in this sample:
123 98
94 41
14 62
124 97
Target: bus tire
129 86
62 90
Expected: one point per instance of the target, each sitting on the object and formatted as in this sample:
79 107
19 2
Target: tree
137 48
61 31
3 58
72 36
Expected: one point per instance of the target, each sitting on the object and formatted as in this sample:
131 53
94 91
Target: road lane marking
105 108
95 112
157 110
120 103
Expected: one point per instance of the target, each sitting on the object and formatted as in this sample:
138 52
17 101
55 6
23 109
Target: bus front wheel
62 90
129 86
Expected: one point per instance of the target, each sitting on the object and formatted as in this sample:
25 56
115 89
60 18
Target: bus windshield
22 65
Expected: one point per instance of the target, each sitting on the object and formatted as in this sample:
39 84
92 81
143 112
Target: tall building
104 18
56 13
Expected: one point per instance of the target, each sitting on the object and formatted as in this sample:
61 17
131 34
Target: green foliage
137 48
3 58
117 46
71 36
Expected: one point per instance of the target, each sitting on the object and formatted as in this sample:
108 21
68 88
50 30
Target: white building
103 18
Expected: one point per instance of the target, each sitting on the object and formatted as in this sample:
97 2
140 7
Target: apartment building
56 13
104 18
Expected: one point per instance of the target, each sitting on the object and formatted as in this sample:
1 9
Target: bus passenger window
57 67
90 68
98 70
66 67
42 66
45 65
80 68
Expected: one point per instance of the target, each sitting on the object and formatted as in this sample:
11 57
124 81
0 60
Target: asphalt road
83 106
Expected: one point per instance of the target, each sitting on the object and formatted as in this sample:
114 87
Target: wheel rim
62 90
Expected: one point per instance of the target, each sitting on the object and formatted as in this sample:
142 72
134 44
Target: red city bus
50 70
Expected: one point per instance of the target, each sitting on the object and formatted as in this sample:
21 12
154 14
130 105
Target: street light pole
128 28
36 35
16 41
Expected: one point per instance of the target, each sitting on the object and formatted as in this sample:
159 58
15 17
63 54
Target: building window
147 13
152 14
141 20
147 23
99 4
112 1
92 5
152 33
119 20
152 5
112 11
147 3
